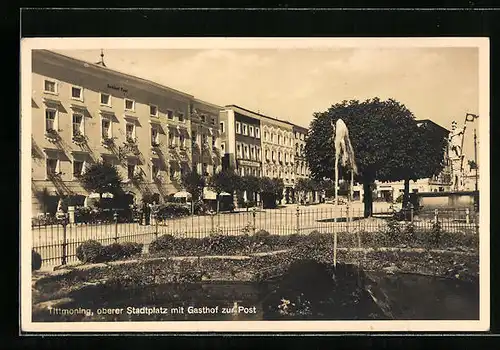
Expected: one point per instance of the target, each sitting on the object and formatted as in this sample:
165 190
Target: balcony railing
78 138
107 141
52 135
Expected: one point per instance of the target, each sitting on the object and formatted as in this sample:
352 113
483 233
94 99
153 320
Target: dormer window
129 105
153 111
106 100
77 93
50 86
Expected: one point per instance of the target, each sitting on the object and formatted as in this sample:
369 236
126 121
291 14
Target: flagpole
475 160
336 210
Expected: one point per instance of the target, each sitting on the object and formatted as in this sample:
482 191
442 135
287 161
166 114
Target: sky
437 83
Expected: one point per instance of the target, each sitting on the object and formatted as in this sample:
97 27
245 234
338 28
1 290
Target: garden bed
148 270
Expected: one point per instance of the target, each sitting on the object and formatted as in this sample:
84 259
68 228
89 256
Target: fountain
345 153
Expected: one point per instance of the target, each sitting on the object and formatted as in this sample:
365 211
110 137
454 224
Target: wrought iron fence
57 241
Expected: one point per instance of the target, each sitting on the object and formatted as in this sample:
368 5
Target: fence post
436 216
211 222
115 218
65 241
297 227
411 212
467 216
156 227
254 220
348 217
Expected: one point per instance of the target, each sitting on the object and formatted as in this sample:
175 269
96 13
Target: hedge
92 251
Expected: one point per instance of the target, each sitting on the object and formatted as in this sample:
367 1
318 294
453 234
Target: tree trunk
367 199
406 193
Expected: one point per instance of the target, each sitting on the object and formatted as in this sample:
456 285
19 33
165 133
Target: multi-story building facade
241 140
205 138
84 113
278 148
301 169
256 144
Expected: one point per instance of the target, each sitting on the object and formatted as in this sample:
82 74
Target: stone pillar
71 213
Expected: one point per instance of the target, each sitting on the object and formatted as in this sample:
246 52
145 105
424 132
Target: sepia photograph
254 184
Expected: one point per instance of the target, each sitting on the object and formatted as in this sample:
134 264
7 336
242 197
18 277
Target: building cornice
262 117
53 58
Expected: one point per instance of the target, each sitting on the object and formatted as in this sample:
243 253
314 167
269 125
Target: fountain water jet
345 153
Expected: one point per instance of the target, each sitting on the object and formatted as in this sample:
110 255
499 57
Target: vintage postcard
255 184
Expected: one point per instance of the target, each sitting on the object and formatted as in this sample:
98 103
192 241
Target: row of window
248 152
53 167
247 130
299 170
300 136
76 93
273 154
78 129
250 171
278 139
133 170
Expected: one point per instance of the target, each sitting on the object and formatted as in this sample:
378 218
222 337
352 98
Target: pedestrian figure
147 213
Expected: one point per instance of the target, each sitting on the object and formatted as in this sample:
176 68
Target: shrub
36 260
222 244
293 238
347 239
112 252
261 234
89 251
409 230
315 233
162 243
131 249
201 207
436 232
83 214
366 238
172 210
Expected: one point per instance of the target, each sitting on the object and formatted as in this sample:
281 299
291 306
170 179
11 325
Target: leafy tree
102 178
422 156
193 183
224 181
271 191
384 137
251 184
302 187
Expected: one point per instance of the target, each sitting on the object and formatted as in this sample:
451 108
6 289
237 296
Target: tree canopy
224 181
388 144
193 183
102 178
